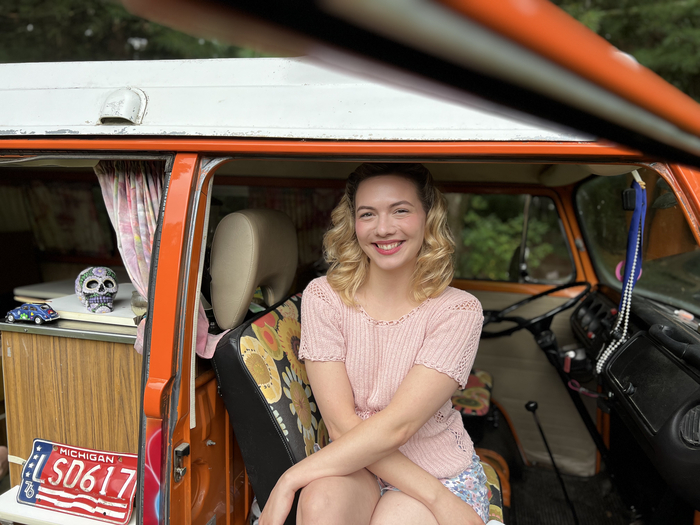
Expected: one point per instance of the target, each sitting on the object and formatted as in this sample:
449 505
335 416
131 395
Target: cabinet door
76 391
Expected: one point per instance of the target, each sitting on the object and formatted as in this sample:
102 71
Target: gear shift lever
531 406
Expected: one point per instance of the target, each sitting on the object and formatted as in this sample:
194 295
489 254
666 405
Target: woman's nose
385 226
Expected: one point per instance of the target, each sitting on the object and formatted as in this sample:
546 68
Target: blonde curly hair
349 265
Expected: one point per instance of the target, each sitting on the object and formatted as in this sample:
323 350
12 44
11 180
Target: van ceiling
518 173
448 172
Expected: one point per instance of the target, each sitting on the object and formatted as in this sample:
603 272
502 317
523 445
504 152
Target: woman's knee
316 499
337 500
396 508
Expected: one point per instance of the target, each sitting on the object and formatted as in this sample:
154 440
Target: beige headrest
251 248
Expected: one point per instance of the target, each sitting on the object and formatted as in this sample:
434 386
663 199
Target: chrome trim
29 158
76 330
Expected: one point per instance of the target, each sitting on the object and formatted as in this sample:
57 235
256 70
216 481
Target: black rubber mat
536 496
537 499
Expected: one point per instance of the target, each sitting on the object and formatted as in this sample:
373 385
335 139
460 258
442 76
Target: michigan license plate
79 481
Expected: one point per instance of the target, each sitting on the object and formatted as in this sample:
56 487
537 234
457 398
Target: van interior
520 228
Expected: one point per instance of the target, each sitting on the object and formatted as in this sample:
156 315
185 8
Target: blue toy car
39 313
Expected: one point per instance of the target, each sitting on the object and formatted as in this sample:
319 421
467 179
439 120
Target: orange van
160 171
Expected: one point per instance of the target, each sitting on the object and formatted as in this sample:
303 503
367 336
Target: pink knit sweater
441 333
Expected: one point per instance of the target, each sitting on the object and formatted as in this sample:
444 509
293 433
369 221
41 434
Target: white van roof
245 97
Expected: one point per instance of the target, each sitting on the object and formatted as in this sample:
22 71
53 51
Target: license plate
79 481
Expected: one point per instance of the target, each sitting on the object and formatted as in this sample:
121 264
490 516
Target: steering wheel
536 324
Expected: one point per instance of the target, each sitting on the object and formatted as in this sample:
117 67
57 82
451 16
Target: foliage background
663 35
77 30
488 230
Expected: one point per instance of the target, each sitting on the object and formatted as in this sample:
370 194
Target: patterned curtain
132 191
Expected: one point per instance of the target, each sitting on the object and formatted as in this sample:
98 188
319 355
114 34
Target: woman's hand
279 503
451 510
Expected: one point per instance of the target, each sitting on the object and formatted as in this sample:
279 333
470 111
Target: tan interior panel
442 171
522 373
518 173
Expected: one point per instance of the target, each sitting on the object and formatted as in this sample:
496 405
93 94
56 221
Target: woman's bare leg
340 500
397 508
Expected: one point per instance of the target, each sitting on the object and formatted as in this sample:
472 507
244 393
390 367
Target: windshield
671 256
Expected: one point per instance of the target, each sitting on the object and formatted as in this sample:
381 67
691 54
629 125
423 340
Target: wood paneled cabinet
63 387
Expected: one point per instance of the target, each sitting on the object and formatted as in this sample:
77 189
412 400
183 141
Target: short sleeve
321 336
452 340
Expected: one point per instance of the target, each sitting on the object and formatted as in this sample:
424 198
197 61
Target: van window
488 232
488 229
55 220
670 255
68 219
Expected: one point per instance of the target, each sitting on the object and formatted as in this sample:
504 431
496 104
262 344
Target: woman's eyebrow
394 205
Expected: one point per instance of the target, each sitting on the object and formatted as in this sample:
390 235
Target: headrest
251 248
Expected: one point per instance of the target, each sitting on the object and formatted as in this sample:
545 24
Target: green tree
492 233
76 30
663 35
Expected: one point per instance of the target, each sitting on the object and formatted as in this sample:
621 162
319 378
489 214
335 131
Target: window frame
531 286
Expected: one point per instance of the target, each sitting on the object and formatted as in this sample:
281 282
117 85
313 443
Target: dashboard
652 382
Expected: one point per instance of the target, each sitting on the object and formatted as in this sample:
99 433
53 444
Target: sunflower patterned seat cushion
495 497
475 398
266 392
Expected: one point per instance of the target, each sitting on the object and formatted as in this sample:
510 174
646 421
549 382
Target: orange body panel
210 474
167 300
507 287
172 321
542 27
182 492
688 180
568 214
594 151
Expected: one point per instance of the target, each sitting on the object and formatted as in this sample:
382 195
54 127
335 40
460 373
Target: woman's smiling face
389 221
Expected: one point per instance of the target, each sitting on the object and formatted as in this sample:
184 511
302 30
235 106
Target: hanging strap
634 238
633 263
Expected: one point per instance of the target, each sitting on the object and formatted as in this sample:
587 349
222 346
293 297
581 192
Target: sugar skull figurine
96 287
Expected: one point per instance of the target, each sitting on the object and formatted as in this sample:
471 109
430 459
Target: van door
169 331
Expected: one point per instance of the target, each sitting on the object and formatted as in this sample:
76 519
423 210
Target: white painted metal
125 104
13 512
259 97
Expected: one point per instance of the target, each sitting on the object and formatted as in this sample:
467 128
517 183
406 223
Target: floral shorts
469 486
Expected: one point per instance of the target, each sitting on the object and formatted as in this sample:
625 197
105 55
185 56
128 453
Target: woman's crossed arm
373 443
335 399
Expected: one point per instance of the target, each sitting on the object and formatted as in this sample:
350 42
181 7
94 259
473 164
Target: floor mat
537 499
536 496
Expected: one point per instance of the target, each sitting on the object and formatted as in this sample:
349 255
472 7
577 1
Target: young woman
386 342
